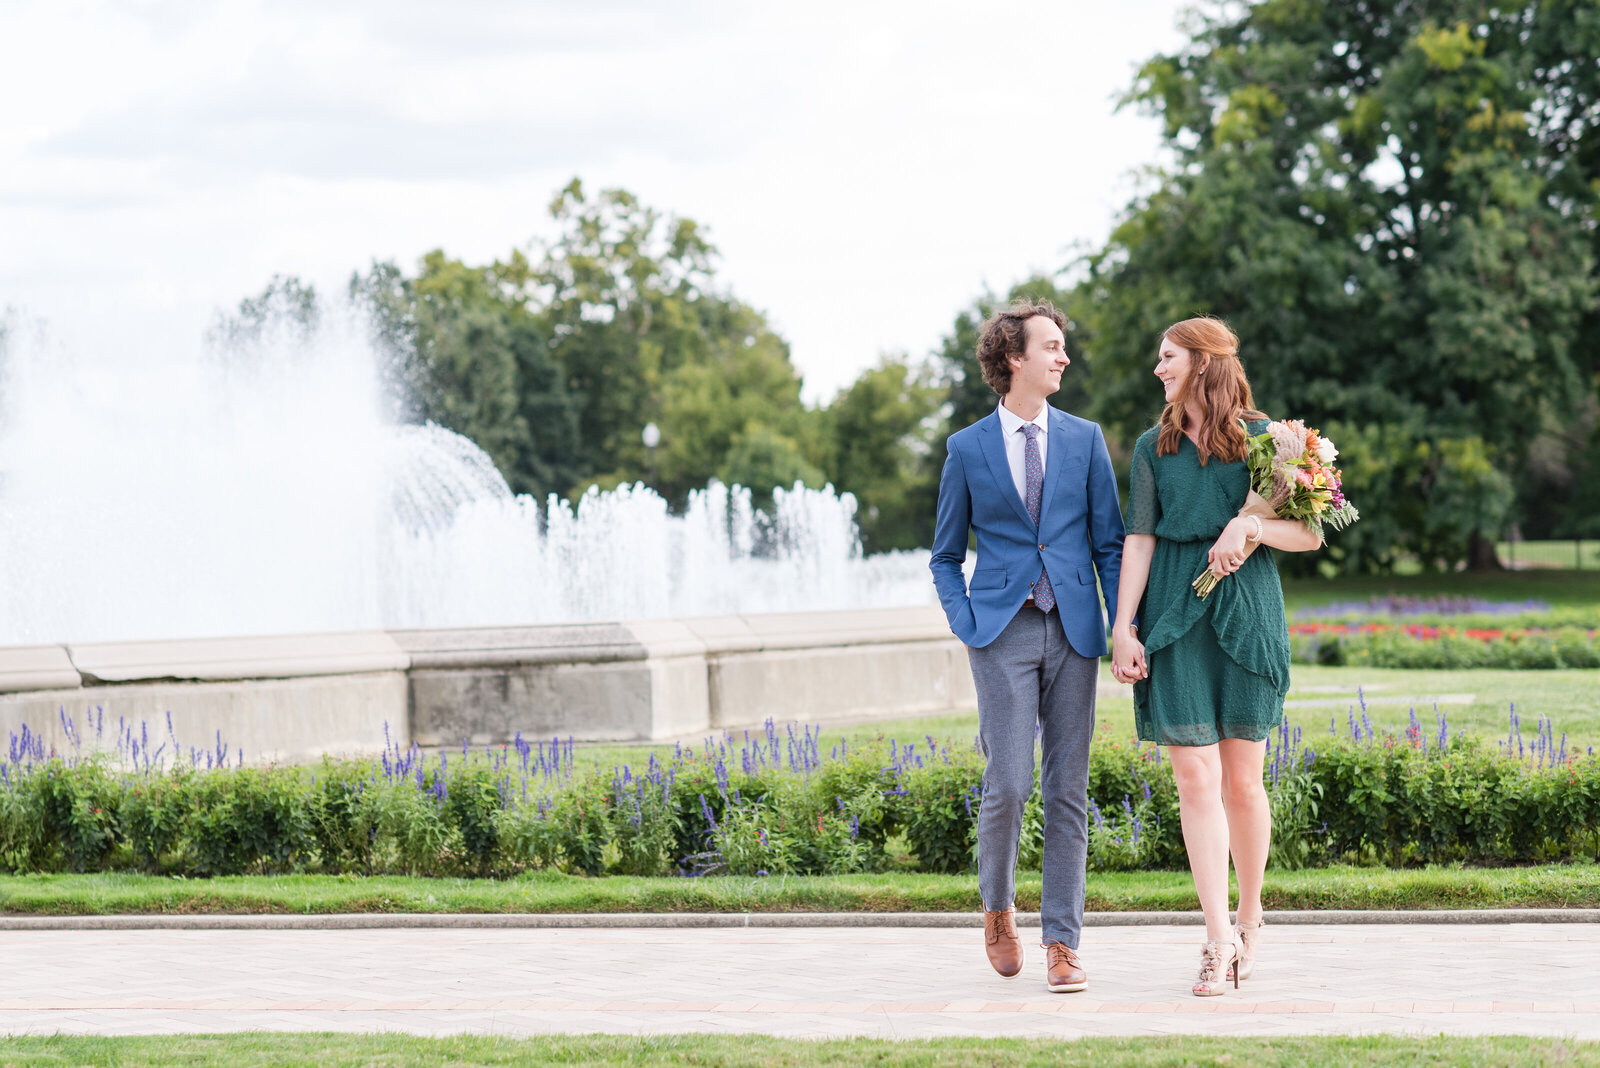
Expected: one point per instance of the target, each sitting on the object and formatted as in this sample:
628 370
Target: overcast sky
865 169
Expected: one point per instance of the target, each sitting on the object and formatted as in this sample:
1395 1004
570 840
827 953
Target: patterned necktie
1033 467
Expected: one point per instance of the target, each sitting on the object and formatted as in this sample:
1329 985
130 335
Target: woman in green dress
1208 675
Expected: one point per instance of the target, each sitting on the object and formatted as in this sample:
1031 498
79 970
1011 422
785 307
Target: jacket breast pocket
988 578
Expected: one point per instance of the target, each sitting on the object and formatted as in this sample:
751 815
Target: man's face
1038 370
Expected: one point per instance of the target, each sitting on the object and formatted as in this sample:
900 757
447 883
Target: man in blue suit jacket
1035 485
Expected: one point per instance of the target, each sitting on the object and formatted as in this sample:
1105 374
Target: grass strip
1556 886
726 1051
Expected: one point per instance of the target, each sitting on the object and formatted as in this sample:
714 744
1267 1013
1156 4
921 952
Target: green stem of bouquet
1207 582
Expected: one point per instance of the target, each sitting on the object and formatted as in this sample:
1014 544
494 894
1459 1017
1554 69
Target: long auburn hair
1217 382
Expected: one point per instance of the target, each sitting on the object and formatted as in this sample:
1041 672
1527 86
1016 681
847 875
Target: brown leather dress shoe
1001 942
1065 972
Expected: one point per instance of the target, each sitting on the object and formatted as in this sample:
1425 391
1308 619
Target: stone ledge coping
36 667
232 659
732 635
73 665
454 648
347 921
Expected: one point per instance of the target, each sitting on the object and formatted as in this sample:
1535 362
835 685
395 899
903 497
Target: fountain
268 490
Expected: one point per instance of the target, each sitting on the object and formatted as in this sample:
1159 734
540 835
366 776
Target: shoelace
998 927
1061 954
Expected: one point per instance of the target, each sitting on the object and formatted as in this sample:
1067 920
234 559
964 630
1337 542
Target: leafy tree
285 303
555 359
883 430
1359 190
764 460
477 362
617 286
1422 494
742 387
629 301
1583 518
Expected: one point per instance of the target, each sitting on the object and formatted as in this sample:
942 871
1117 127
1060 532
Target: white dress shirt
1017 441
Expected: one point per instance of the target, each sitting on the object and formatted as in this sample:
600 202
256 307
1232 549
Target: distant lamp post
652 438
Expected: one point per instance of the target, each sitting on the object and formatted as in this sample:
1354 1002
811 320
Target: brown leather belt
1029 603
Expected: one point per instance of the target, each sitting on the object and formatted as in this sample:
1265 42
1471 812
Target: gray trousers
1032 683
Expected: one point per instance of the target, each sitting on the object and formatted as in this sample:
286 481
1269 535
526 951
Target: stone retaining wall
297 697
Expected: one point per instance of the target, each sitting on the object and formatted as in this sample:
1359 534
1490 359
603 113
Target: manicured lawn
1570 698
725 1051
1552 886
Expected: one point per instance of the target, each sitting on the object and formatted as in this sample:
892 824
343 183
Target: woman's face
1173 367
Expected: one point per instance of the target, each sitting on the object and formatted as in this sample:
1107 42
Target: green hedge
1566 647
774 804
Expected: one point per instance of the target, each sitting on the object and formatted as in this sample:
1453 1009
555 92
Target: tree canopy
1392 203
554 359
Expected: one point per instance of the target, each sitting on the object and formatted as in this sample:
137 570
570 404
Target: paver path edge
671 920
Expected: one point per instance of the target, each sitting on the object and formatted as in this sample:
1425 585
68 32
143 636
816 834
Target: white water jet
266 491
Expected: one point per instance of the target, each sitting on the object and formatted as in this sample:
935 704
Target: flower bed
1422 645
1460 612
1412 607
771 802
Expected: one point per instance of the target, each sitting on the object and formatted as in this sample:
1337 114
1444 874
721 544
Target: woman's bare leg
1198 771
1249 816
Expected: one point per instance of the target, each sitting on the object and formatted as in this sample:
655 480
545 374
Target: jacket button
1041 548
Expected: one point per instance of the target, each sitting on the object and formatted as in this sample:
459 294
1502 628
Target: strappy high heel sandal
1219 962
1248 935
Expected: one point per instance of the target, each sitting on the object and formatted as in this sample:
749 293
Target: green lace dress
1219 667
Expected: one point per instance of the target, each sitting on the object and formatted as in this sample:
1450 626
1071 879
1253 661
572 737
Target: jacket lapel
1055 460
992 440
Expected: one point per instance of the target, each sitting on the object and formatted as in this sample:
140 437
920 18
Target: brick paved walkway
1537 979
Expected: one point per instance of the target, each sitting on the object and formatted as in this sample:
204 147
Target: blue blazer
1079 532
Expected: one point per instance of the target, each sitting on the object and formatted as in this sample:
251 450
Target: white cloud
865 168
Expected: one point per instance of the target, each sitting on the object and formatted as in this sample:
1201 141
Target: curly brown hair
1005 334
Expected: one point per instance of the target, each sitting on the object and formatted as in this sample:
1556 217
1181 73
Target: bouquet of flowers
1291 477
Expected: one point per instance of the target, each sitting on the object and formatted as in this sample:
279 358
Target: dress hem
1221 736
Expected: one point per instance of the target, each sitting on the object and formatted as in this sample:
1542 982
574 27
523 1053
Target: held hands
1127 656
1228 554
